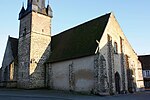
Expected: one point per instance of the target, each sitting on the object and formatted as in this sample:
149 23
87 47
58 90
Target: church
94 57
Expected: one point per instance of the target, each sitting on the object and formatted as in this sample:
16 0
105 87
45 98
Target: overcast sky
132 15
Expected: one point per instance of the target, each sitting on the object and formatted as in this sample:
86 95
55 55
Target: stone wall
8 58
39 49
24 51
89 73
23 61
120 64
100 75
74 75
33 50
9 66
11 84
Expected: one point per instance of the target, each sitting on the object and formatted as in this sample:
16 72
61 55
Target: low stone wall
3 84
11 84
8 84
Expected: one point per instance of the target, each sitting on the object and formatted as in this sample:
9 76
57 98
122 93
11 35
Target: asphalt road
16 94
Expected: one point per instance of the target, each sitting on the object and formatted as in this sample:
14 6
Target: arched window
115 47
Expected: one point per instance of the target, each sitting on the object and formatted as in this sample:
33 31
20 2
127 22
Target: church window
147 73
121 44
11 71
42 30
115 47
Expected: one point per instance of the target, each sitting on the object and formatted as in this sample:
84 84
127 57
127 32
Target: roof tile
79 41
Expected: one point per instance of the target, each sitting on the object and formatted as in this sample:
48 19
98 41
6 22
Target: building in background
94 57
145 60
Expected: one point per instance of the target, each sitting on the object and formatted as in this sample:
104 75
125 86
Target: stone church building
94 57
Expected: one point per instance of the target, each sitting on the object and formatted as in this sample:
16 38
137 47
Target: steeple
34 33
22 11
49 10
39 3
36 6
29 2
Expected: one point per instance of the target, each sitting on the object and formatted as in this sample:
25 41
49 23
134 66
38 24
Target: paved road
16 94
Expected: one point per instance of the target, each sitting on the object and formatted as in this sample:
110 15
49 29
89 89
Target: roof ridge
13 38
83 23
143 55
14 45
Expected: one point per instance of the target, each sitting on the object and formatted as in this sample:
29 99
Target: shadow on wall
38 71
119 70
105 79
131 80
8 75
114 80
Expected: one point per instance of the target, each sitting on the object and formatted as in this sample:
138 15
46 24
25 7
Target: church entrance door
117 82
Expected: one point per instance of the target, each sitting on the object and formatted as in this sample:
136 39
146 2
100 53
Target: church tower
34 43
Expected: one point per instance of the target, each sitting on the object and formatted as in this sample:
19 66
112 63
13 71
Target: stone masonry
34 49
72 60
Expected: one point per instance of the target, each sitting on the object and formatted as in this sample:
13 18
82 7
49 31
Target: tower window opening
115 48
25 32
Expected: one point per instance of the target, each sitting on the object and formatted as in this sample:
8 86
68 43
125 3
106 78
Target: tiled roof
79 41
145 60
